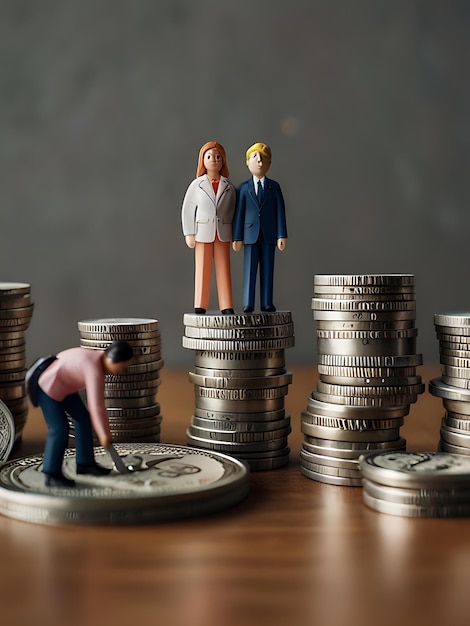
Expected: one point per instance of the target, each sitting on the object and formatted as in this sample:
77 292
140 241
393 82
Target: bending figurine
54 386
260 224
206 215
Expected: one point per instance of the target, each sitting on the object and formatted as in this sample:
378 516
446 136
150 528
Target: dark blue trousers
258 255
58 430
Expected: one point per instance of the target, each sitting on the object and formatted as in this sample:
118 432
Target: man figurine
54 387
260 224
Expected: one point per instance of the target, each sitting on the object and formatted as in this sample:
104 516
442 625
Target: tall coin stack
130 399
240 382
453 333
366 341
16 310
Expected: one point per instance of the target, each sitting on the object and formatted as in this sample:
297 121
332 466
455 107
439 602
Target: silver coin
235 448
456 406
409 360
337 434
331 480
455 372
462 383
372 391
128 402
118 324
238 437
240 373
324 459
241 394
366 347
364 326
458 423
324 304
414 510
445 446
239 360
367 335
239 345
417 469
452 319
260 416
353 297
437 387
349 449
239 426
364 279
167 482
350 424
227 382
417 497
453 340
456 354
232 334
369 381
260 465
7 431
138 349
452 361
239 406
145 377
454 331
144 387
366 401
455 437
352 412
329 470
134 413
234 321
149 336
364 316
362 290
366 372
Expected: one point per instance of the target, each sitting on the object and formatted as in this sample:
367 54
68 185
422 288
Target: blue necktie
260 193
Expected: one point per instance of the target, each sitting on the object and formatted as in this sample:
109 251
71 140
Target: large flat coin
166 482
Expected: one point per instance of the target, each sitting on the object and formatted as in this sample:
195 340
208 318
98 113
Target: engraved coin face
416 469
7 431
164 482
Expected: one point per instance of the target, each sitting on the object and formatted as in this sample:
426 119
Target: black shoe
58 480
248 309
92 468
269 308
228 312
199 311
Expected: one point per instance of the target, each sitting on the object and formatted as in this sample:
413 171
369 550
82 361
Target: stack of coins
366 340
453 333
417 484
16 310
240 383
130 399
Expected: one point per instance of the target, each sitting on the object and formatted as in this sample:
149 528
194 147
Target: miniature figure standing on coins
260 225
206 215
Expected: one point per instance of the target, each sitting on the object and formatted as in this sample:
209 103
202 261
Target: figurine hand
237 245
190 241
281 244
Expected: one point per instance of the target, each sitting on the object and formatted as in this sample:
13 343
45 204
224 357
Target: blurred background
104 105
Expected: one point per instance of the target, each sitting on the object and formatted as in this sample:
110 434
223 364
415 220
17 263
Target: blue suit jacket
251 220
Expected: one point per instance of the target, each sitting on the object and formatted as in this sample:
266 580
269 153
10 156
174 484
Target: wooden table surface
294 552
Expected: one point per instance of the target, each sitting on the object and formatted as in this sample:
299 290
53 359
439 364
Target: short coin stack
453 333
417 484
366 341
240 383
16 310
133 411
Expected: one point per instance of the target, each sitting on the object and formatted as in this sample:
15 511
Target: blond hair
263 148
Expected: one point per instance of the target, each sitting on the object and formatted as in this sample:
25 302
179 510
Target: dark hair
119 351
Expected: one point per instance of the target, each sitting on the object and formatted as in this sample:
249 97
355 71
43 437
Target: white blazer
204 214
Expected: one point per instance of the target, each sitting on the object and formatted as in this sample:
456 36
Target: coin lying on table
7 431
165 482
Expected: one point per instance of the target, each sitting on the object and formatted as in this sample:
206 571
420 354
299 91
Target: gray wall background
104 105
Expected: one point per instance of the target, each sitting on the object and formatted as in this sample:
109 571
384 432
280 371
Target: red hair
208 146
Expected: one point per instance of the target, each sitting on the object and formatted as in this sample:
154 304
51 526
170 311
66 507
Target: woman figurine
206 216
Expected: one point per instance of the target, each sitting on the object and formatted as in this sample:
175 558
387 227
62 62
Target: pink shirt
76 369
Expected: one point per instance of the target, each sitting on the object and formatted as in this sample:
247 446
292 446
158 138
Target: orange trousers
218 252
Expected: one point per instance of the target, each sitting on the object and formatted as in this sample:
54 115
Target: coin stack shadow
366 342
453 333
240 383
130 399
16 310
